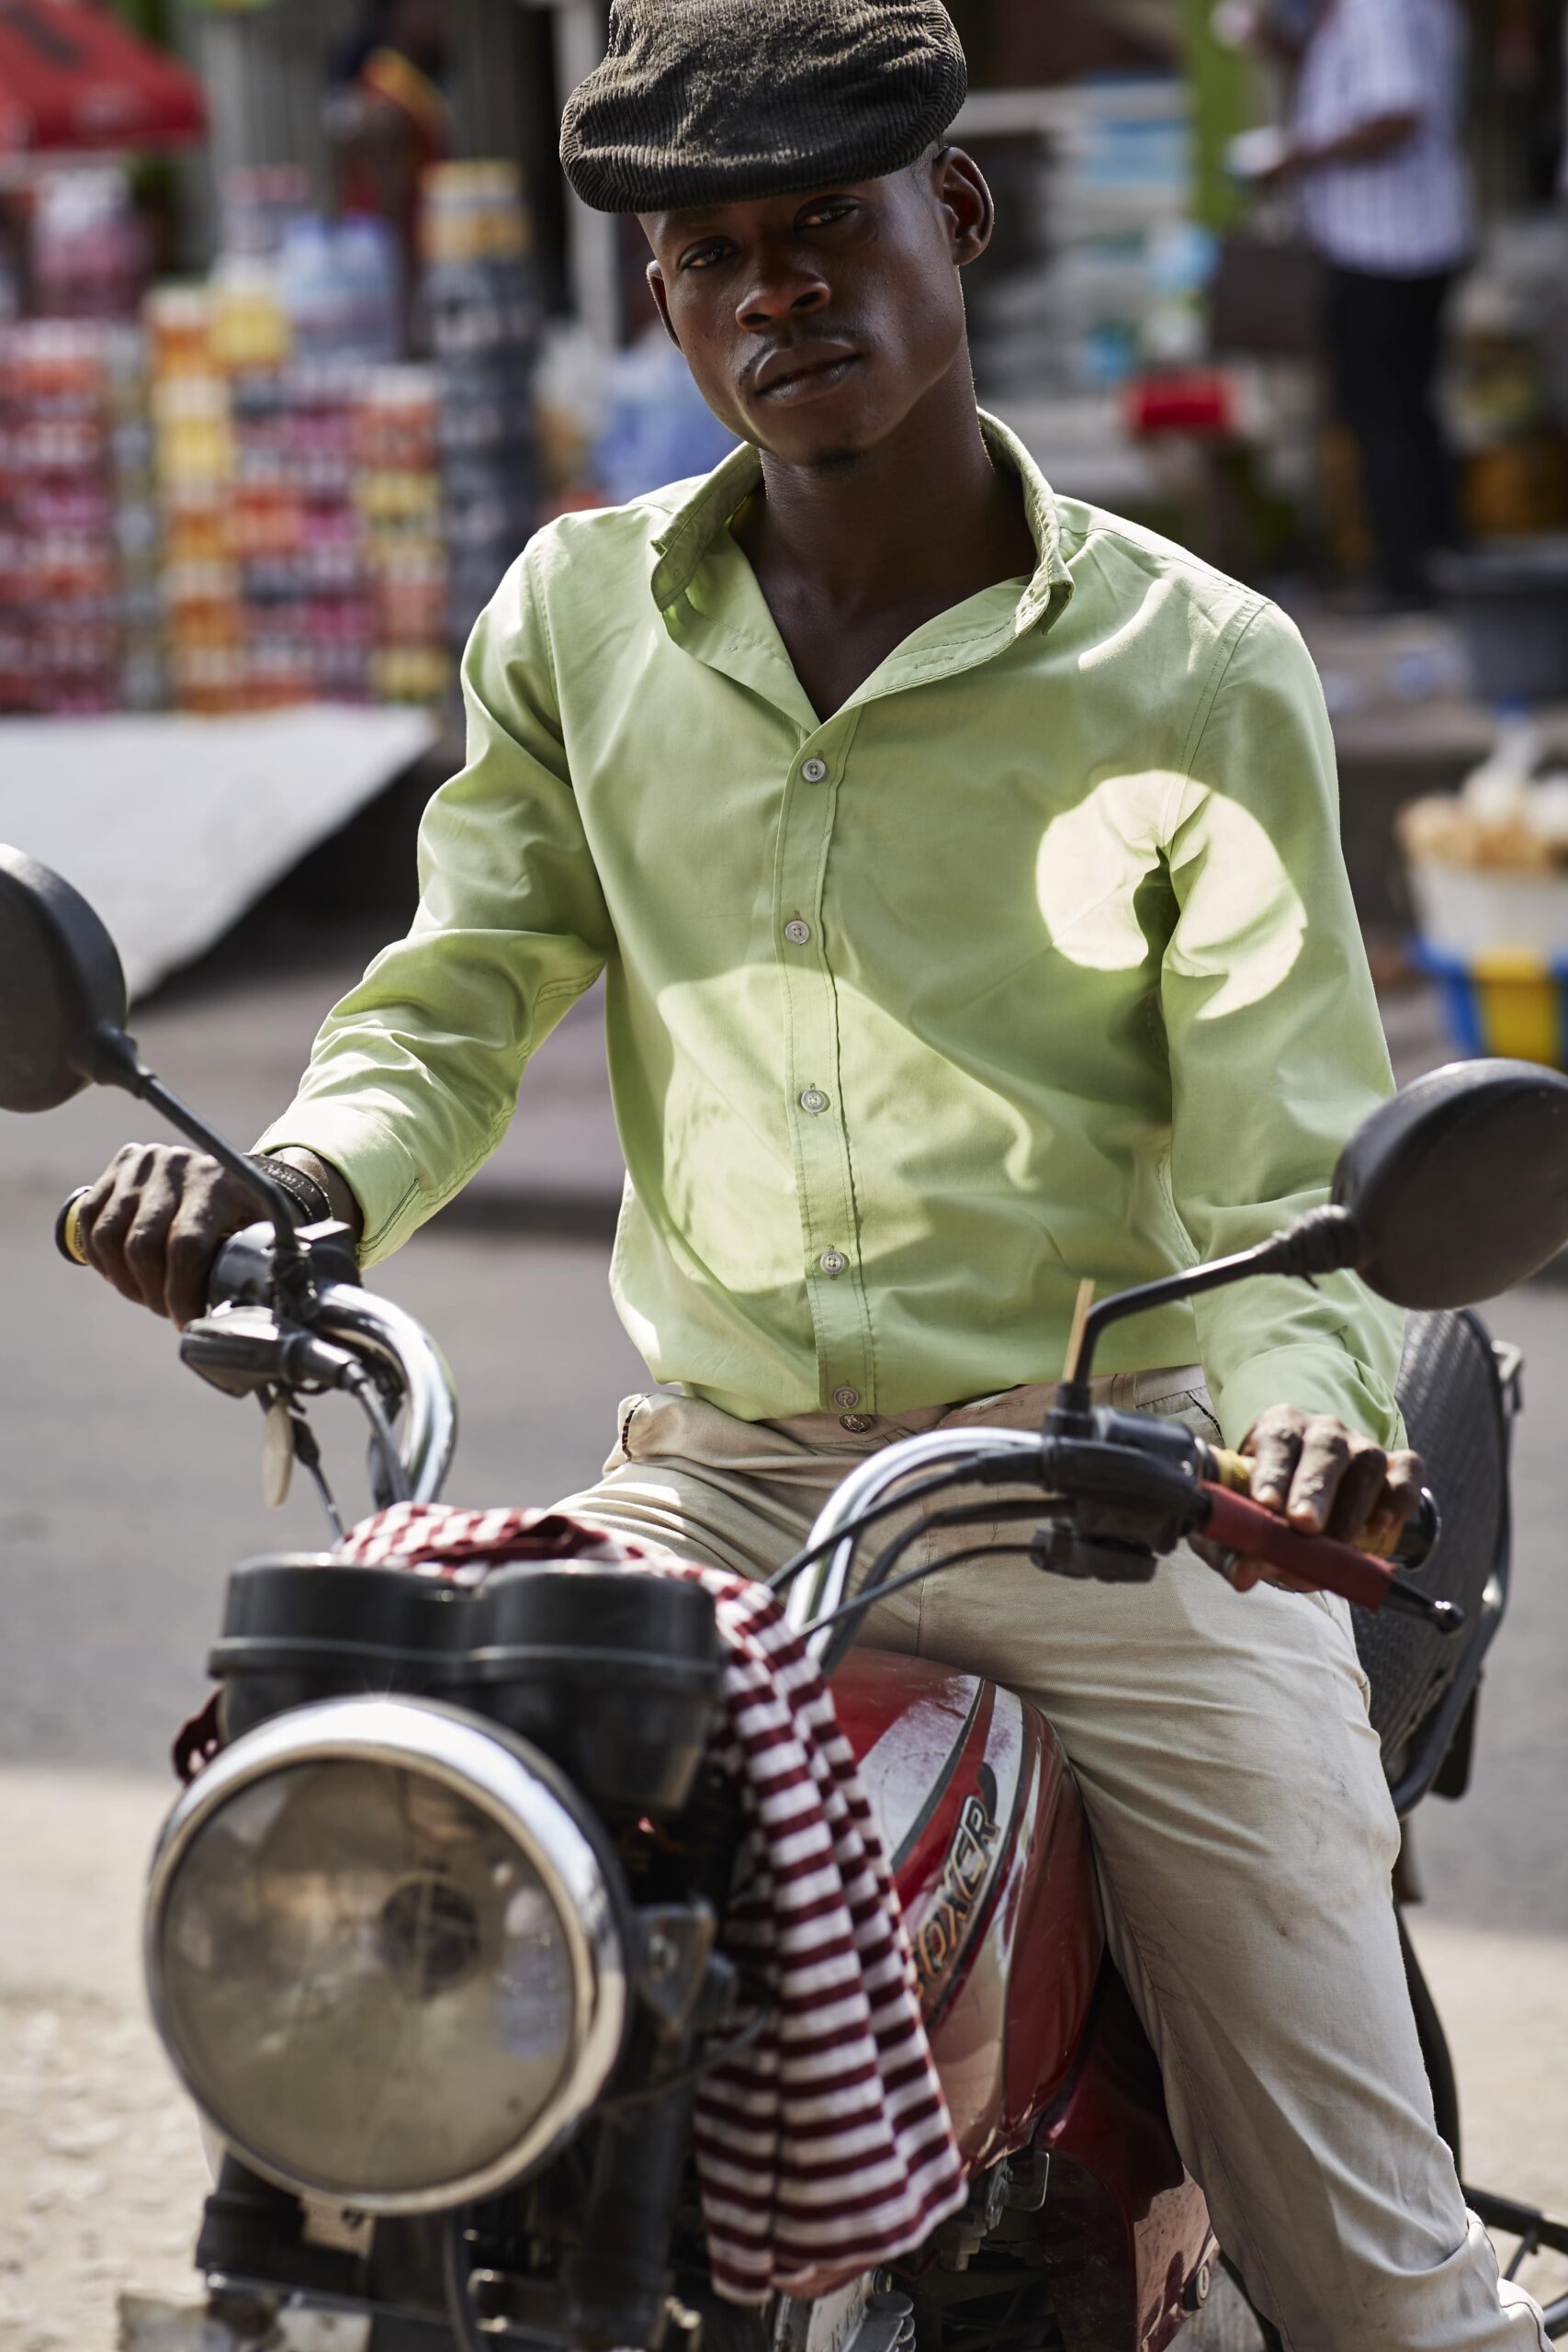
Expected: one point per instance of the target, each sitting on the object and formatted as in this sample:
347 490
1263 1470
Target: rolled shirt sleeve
413 1078
1277 1052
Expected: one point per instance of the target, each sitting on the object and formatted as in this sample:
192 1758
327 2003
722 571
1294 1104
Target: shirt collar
695 527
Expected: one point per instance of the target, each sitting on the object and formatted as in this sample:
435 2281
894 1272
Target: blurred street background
300 336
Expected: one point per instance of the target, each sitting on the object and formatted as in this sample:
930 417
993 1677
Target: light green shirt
1036 960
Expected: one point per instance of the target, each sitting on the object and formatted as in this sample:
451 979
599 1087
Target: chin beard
837 462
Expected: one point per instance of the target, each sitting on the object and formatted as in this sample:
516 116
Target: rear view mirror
62 1015
62 1000
1459 1185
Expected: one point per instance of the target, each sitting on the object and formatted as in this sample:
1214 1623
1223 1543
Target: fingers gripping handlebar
1239 1525
399 1352
1410 1547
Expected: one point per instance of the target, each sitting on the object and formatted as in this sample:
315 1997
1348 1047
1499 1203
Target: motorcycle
435 1936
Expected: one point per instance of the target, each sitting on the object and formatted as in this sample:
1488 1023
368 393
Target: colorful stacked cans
247 500
302 513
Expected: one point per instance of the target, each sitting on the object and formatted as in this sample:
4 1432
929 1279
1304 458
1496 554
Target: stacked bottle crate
137 527
65 387
195 461
296 536
483 321
398 489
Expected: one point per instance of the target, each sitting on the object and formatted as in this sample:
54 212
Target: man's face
813 325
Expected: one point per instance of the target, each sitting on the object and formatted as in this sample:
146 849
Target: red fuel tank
1031 2027
990 1849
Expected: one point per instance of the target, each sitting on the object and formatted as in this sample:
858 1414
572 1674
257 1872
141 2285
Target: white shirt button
814 770
846 1398
797 932
832 1261
813 1099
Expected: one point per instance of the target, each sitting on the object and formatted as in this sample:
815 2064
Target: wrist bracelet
307 1198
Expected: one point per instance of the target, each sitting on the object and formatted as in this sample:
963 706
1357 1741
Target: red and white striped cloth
825 2149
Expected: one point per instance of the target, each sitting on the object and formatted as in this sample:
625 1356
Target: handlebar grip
1412 1547
68 1228
1319 1560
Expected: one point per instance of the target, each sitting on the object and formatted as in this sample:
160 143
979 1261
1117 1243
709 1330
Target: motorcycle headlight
384 1951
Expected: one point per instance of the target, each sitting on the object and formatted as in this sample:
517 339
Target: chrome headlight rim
502 1776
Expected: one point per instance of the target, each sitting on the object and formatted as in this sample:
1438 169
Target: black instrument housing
612 1675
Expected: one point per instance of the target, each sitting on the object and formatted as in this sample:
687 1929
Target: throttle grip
1239 1525
241 1264
68 1228
1412 1544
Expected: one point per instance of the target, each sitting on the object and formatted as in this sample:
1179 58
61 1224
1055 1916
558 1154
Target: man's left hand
1325 1479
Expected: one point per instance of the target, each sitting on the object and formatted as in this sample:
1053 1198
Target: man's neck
879 543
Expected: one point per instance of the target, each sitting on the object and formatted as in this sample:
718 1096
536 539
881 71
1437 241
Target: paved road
127 1491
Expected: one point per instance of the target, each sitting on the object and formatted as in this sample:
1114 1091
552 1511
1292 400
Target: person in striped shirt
1376 153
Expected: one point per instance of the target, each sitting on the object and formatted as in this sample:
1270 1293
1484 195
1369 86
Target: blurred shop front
297 403
274 416
301 335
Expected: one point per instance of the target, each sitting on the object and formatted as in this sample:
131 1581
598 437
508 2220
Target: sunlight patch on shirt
1091 862
1242 923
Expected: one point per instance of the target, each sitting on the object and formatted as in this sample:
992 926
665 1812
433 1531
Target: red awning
74 78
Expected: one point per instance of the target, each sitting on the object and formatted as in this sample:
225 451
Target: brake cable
876 1588
388 1481
865 1599
969 1474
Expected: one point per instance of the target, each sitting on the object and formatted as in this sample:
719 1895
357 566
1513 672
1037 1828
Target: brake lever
243 1350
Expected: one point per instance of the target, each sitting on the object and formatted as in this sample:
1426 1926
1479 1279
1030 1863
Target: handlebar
369 1325
821 1590
403 1353
399 1350
1228 1520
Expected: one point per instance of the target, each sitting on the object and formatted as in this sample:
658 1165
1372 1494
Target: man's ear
971 209
660 294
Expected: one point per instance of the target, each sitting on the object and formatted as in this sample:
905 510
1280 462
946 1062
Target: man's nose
787 287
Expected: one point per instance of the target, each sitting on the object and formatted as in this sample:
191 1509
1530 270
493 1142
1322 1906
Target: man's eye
822 216
703 256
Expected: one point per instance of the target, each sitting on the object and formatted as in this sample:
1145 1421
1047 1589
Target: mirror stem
118 1063
1322 1242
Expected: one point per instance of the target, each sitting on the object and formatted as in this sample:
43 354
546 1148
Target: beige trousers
1245 1841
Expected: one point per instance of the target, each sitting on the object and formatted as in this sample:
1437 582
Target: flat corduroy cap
721 101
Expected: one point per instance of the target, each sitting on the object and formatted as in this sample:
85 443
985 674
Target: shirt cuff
1323 1379
372 1160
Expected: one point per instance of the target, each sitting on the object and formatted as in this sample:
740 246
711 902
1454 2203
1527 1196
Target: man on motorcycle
965 865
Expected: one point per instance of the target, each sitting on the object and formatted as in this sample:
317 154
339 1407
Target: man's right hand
153 1222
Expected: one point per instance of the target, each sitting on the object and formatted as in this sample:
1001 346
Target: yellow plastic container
1506 1000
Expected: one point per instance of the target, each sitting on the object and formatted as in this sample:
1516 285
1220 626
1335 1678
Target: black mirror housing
1459 1184
63 997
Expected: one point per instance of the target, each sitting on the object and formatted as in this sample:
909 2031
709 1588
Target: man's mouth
804 372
